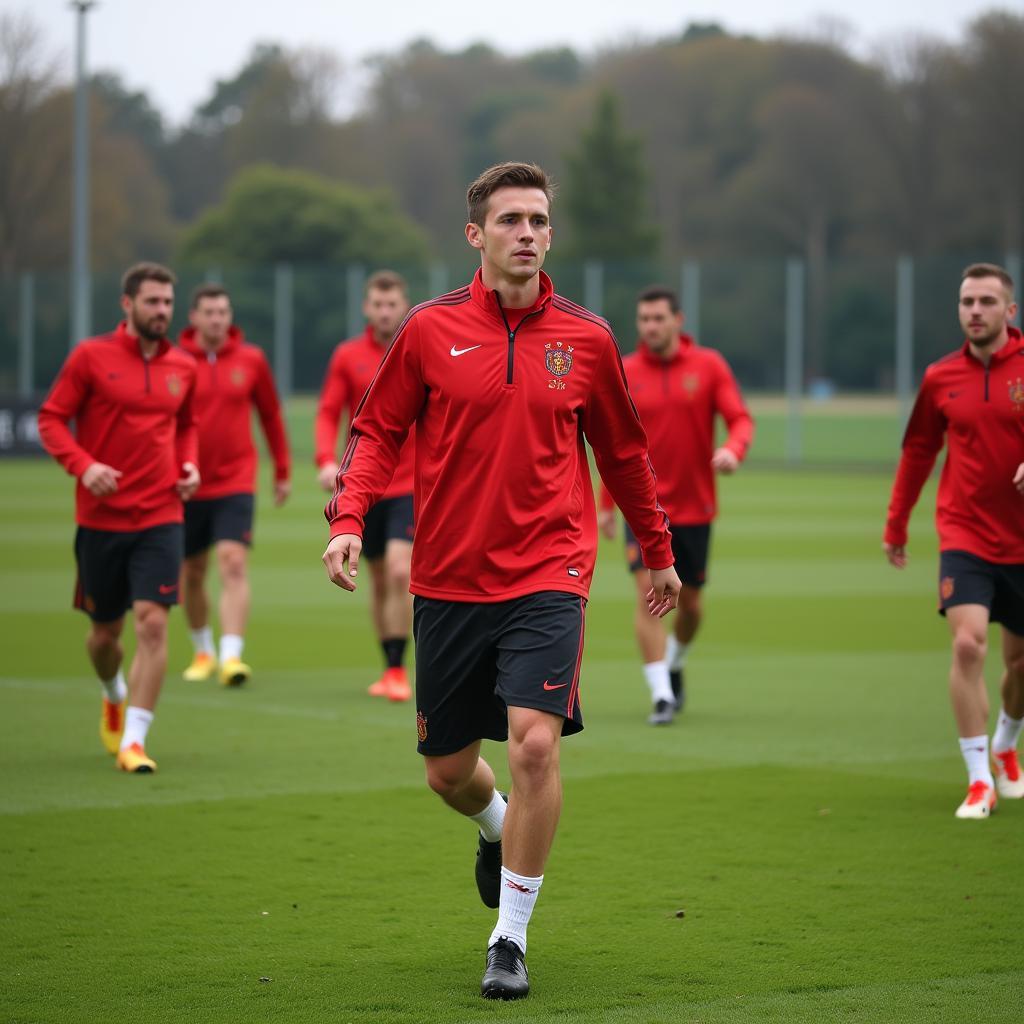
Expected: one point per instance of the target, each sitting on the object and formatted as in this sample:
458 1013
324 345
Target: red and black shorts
967 579
474 660
387 519
690 545
210 520
117 568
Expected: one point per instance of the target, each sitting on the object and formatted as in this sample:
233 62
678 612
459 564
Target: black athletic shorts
214 519
115 569
474 660
689 550
968 579
388 519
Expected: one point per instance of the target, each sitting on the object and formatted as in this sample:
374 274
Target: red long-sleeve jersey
349 374
502 402
229 384
979 412
131 413
678 400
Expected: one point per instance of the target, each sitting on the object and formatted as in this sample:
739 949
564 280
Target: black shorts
690 546
968 579
474 660
115 569
388 519
214 519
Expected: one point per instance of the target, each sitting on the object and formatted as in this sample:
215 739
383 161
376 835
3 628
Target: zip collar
488 300
132 343
1014 345
687 343
189 341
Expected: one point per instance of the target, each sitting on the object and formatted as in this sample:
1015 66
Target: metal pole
593 286
26 335
283 329
81 312
794 370
355 282
904 337
1014 270
438 283
690 282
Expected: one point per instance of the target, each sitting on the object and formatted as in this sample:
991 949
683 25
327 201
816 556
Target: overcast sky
175 49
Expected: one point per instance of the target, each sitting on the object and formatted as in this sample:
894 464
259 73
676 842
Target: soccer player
233 378
388 529
973 400
678 388
134 454
504 380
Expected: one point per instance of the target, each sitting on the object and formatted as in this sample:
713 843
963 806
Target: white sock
975 752
136 724
656 673
116 689
230 646
671 651
202 640
681 652
518 896
1007 732
491 818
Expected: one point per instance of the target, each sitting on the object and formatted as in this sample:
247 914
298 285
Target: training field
786 851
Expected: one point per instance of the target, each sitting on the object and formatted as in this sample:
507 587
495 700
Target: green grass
799 814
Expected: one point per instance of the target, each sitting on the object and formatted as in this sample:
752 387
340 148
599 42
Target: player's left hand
282 488
188 484
664 592
1018 478
725 460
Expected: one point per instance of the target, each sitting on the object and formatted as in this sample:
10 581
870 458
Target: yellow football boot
201 670
234 672
112 724
134 759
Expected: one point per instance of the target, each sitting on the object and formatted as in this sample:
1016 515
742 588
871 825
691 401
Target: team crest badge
1016 392
946 587
238 376
690 384
558 358
421 726
173 384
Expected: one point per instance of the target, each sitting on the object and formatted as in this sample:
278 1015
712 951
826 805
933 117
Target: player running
679 388
504 380
134 454
973 400
233 378
388 530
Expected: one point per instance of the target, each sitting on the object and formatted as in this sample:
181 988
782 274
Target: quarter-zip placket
510 361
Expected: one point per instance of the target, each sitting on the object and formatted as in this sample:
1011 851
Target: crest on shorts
558 357
1016 392
946 587
173 383
238 376
421 726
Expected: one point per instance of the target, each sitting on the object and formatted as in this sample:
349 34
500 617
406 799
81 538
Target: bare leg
232 564
103 645
650 636
378 595
195 603
1012 687
463 780
396 610
688 615
968 624
146 677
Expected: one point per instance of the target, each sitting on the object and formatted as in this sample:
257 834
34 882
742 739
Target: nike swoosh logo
553 686
462 351
168 588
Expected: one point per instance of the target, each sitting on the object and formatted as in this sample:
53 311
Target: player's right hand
326 474
606 521
342 560
100 480
897 554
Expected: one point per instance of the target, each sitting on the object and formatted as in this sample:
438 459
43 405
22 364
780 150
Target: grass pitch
786 851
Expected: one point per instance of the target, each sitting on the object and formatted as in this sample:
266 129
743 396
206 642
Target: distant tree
271 215
606 198
698 30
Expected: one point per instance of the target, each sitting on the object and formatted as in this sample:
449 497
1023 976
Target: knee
1015 665
194 572
446 777
104 636
968 646
151 625
534 755
232 566
398 576
689 603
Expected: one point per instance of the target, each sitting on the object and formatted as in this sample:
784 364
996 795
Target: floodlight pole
81 305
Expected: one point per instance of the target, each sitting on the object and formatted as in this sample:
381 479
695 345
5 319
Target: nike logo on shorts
553 686
462 351
167 588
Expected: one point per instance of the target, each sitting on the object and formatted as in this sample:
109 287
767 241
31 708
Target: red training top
677 400
979 412
502 401
349 374
229 382
130 413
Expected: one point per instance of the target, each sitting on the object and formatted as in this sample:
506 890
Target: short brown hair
133 277
657 292
507 175
386 281
989 270
208 291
